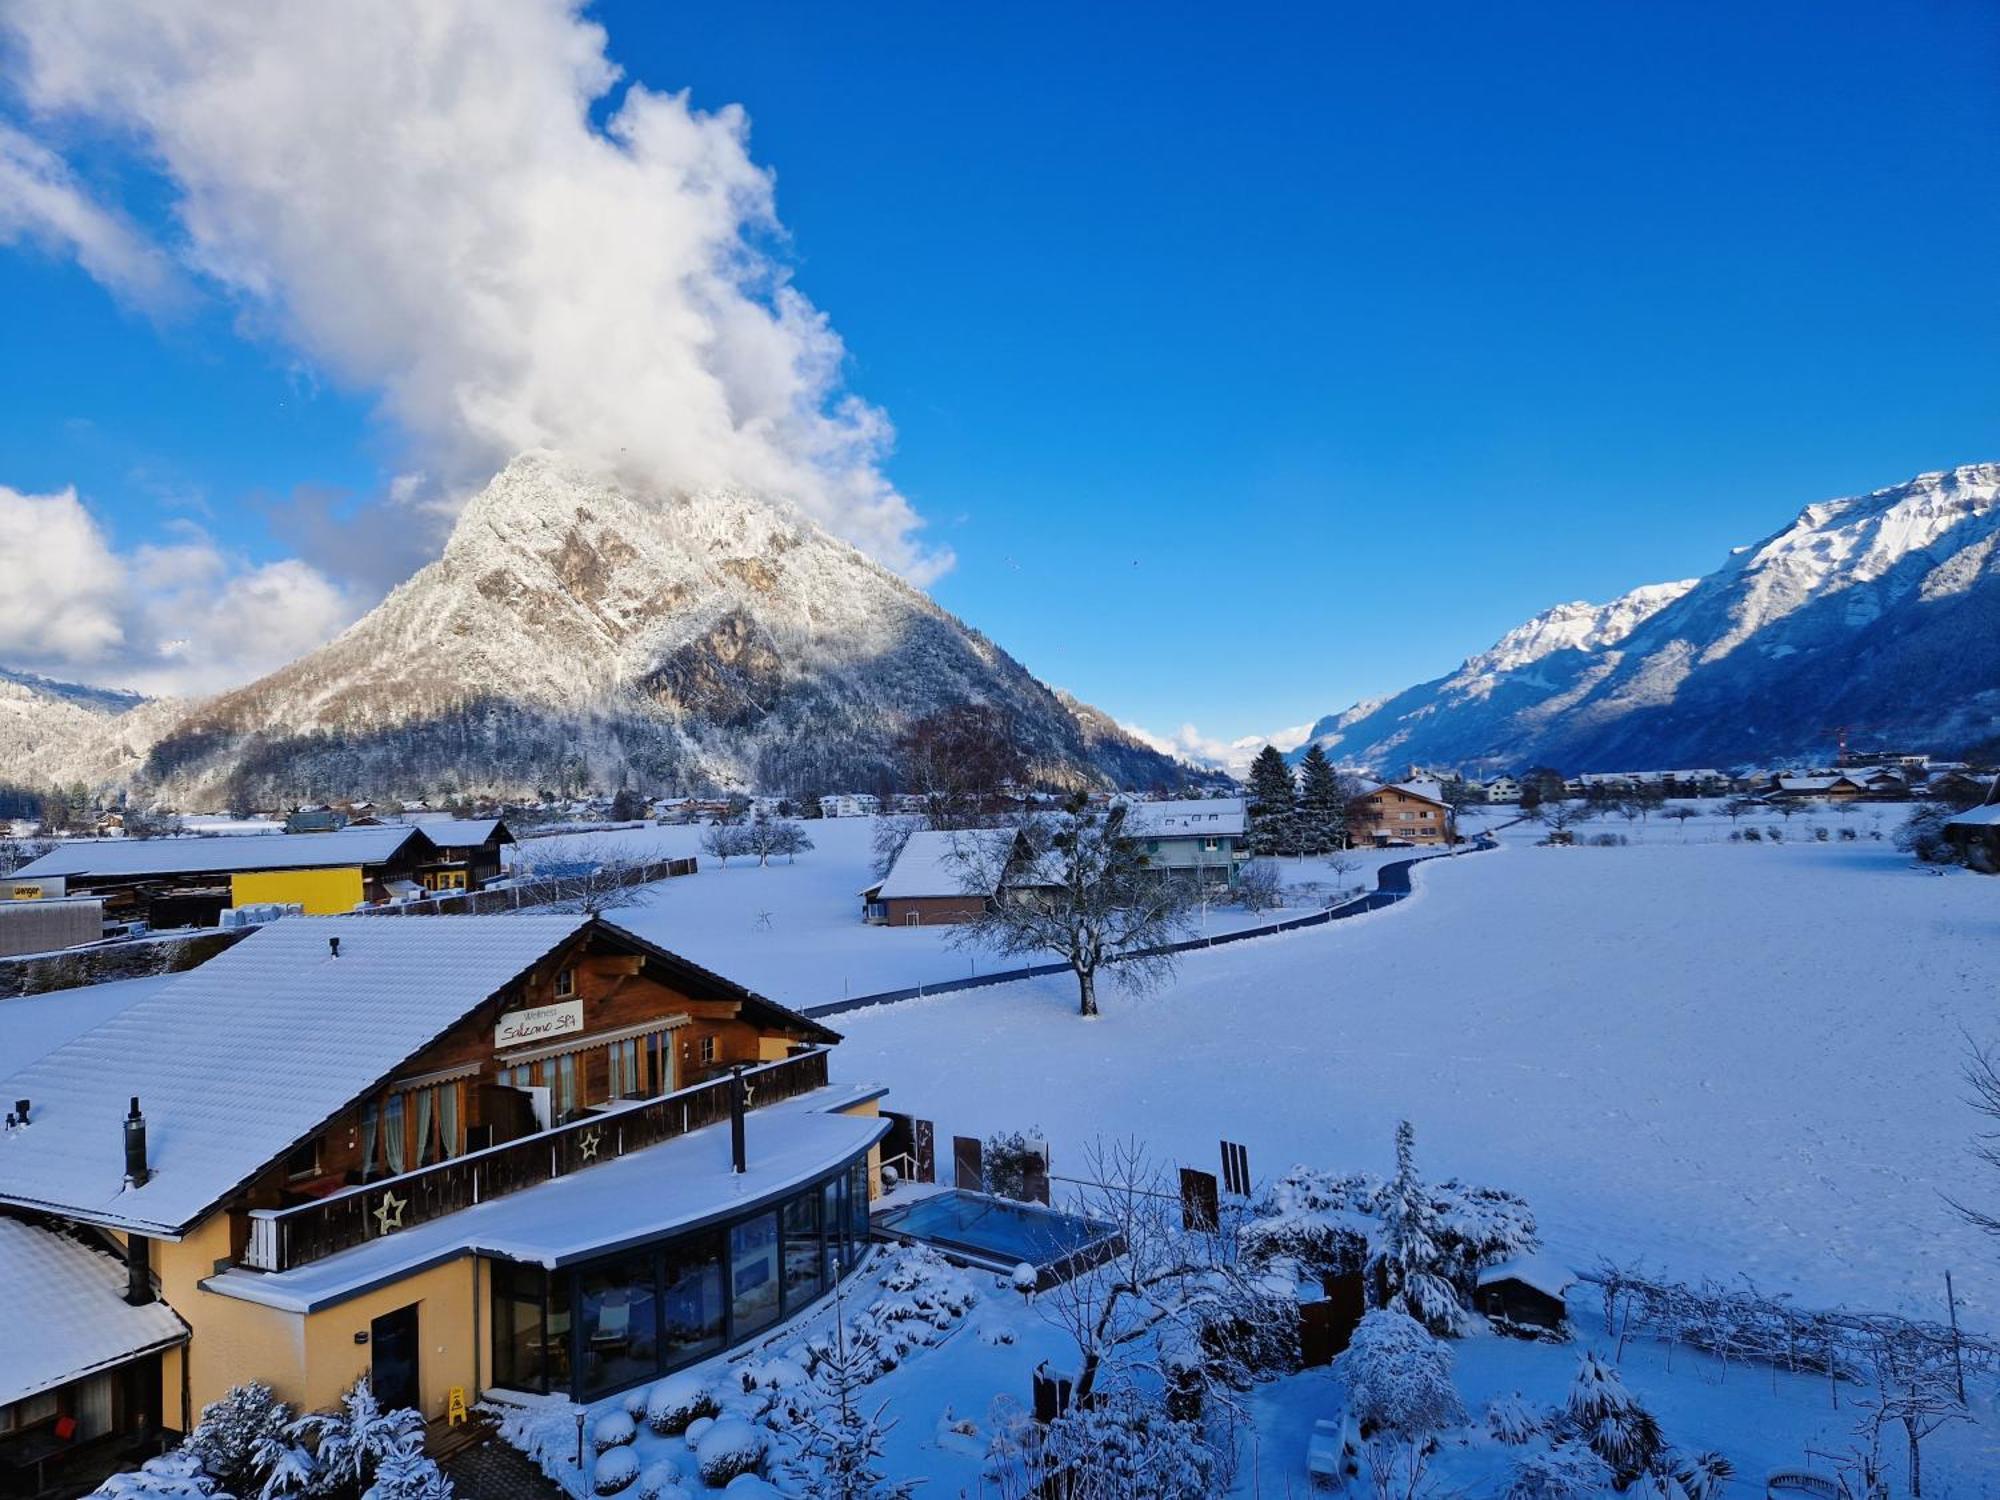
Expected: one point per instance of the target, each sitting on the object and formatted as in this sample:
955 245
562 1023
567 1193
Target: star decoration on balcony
592 1139
389 1212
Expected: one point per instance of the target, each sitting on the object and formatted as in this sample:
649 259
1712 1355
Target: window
802 1253
619 1314
304 1160
753 1274
708 1049
565 983
693 1310
1211 845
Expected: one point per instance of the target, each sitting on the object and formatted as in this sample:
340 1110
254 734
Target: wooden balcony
281 1239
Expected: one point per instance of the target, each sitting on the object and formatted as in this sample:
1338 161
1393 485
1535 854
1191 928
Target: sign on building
541 1023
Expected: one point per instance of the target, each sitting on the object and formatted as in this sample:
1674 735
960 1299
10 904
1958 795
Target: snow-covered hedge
613 1430
730 1446
673 1403
616 1470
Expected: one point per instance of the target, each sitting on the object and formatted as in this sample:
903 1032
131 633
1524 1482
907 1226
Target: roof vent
21 1111
333 947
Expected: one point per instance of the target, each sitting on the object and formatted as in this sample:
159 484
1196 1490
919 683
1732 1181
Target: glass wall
643 1312
753 1274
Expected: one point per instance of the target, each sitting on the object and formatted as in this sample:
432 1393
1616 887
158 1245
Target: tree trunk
1916 1464
1086 987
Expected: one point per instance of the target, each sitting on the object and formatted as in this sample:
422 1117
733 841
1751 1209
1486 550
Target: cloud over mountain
420 201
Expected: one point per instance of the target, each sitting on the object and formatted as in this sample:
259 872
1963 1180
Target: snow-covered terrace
674 1186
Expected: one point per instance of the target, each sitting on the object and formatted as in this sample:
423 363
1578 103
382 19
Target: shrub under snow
613 1430
729 1447
616 1470
660 1481
673 1403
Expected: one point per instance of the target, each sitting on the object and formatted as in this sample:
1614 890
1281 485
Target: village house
1818 786
186 882
1502 789
1410 812
1202 839
942 878
530 1153
468 854
1975 834
849 805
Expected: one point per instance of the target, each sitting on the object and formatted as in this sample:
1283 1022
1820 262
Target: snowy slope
577 631
1773 1090
1882 610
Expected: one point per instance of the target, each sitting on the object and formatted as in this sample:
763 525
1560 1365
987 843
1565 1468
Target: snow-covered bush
224 1442
1009 1159
1922 834
660 1481
1512 1421
730 1446
923 1298
1122 1447
697 1430
1400 1391
1601 1413
171 1476
616 1470
408 1476
673 1403
613 1430
634 1402
1565 1471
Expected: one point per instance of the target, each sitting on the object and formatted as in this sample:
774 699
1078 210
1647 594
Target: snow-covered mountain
54 731
576 632
1880 612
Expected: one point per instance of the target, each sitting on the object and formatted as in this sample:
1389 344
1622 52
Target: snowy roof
462 833
1199 817
66 1312
936 863
640 1196
238 1060
1545 1274
1977 817
1814 783
32 1026
222 856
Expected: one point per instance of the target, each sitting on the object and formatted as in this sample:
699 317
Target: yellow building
320 893
283 1145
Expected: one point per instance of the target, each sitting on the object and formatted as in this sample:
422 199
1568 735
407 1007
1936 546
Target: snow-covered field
1728 1059
794 931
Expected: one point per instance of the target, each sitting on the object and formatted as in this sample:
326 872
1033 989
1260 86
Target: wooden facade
1397 815
621 1021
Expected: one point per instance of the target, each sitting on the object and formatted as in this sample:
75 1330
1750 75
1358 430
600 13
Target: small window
565 983
708 1049
304 1160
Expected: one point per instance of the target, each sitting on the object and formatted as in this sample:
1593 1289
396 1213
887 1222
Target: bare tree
15 853
1565 817
587 879
1094 900
889 837
768 836
1258 887
1680 814
1915 1389
961 760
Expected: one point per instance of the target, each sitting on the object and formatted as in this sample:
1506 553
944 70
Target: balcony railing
281 1239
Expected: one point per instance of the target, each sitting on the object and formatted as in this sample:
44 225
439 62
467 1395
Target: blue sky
1248 362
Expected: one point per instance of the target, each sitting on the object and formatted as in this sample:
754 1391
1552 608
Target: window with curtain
393 1143
370 1126
426 1099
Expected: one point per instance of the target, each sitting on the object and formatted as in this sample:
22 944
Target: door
392 1341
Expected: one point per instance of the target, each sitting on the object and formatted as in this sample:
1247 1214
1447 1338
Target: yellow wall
323 893
308 1359
871 1109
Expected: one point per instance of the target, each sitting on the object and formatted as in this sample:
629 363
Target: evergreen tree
1273 804
1323 798
1409 1270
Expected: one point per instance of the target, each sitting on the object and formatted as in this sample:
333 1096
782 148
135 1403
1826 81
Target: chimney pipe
21 1110
137 1173
736 1149
138 1270
333 947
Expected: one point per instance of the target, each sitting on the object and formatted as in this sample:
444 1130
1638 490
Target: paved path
492 1470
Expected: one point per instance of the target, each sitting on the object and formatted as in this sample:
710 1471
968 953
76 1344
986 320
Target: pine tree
1409 1269
1322 805
1273 804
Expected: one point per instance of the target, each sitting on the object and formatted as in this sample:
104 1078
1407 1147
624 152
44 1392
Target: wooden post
1957 1356
967 1163
1201 1207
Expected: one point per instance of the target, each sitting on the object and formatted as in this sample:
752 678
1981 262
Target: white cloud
413 197
1233 756
41 201
180 617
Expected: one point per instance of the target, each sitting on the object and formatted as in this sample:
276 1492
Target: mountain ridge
1878 610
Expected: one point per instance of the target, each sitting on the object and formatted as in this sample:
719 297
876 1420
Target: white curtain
368 1124
448 1112
424 1097
392 1135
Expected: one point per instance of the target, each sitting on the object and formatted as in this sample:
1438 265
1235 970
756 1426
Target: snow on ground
1728 1059
793 931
